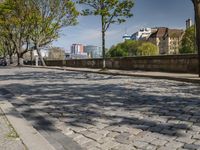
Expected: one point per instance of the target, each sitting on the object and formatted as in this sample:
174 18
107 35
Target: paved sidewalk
9 139
185 77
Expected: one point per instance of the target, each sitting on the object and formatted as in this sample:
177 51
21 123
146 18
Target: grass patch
12 133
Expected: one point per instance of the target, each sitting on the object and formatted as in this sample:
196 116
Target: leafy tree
117 52
49 17
147 49
197 20
2 49
7 48
14 25
188 42
133 48
110 11
33 24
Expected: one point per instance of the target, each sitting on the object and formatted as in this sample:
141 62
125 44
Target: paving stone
166 148
111 128
197 142
78 129
67 131
147 138
185 140
158 142
196 136
105 139
196 128
94 136
191 146
155 129
140 144
102 132
94 148
94 129
141 126
174 144
82 140
124 147
109 145
168 132
112 134
91 144
134 131
123 138
151 147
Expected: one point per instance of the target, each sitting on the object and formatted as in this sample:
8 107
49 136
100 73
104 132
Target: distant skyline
147 13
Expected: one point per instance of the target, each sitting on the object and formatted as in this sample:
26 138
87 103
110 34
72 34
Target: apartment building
167 40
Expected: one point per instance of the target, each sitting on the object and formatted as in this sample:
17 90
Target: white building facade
142 34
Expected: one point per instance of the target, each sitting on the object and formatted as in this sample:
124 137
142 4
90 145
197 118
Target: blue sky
147 13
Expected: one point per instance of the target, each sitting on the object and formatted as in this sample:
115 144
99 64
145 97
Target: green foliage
188 42
116 52
33 24
48 17
147 49
113 11
2 50
132 48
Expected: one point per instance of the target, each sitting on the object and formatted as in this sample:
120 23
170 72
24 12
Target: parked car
3 62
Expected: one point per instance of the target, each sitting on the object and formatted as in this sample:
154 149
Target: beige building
56 53
167 40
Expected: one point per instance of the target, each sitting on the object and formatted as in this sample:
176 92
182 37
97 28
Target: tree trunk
18 62
20 59
31 57
103 42
11 59
40 57
197 20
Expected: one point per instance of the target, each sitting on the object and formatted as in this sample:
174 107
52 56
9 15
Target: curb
30 137
181 79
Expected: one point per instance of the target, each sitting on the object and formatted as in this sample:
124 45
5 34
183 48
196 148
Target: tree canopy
33 24
188 44
111 11
133 48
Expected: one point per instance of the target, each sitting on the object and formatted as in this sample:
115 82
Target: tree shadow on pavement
160 106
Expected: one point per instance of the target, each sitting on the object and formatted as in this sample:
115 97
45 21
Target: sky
147 13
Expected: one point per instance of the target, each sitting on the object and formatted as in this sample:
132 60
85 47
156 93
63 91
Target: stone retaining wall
167 63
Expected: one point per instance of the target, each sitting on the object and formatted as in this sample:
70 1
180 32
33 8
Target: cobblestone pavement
102 112
8 137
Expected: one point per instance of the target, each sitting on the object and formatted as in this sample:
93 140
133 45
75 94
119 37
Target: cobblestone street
104 112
